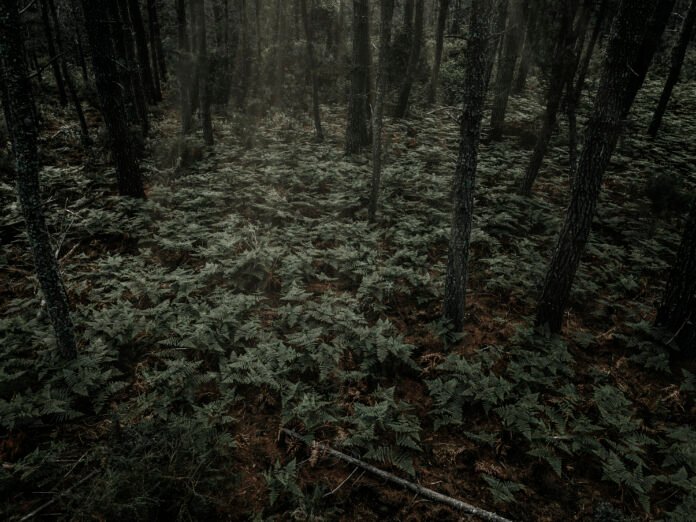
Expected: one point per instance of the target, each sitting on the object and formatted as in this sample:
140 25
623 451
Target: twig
48 503
341 484
425 492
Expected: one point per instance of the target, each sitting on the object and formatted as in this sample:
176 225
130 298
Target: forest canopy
348 260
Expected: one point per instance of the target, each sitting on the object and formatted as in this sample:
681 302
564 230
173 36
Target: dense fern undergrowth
249 293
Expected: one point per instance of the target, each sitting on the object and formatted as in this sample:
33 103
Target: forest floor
249 293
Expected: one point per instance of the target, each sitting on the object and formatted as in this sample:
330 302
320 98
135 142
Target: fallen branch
46 504
420 490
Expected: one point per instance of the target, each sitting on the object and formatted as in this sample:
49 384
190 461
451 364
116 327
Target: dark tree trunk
678 54
18 108
81 57
154 60
84 131
244 60
408 17
316 113
506 69
413 61
563 66
439 41
130 181
497 37
601 135
474 91
203 72
53 56
136 19
357 132
119 27
587 57
677 311
133 73
184 67
648 46
527 49
156 38
386 14
279 53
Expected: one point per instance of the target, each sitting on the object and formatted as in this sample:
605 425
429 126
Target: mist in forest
348 260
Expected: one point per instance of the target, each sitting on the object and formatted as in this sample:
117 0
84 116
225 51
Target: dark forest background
250 248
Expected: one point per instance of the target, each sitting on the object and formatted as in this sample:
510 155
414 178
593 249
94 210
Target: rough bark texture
203 71
678 54
439 40
385 21
601 134
357 132
506 70
130 182
18 108
677 312
413 60
474 90
316 113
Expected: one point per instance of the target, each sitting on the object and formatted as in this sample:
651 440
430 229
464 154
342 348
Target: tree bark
18 108
156 38
130 182
53 56
678 54
357 132
677 311
587 57
506 70
316 113
203 73
184 67
136 19
154 60
439 41
601 135
474 90
527 49
386 15
413 61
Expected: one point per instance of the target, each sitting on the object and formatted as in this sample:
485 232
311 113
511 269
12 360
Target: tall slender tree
357 132
678 53
136 19
413 61
311 65
385 21
601 135
18 108
203 72
53 56
474 93
439 43
532 16
108 82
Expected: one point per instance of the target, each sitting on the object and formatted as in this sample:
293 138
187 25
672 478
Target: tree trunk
506 70
676 312
156 38
439 41
474 90
316 113
84 131
17 103
203 72
386 14
357 132
53 56
136 19
587 57
413 61
184 66
527 49
601 134
154 60
563 66
648 46
119 27
497 37
678 54
130 182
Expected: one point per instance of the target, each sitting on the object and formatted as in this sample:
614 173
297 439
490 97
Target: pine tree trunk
677 311
118 29
527 49
18 108
474 91
184 67
156 38
357 132
203 72
154 60
587 57
386 15
136 19
497 37
70 84
316 113
506 70
53 56
678 54
413 61
439 41
130 182
601 135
